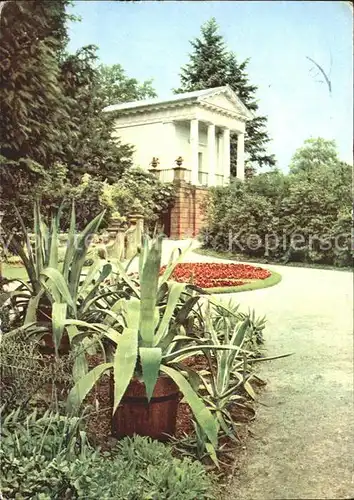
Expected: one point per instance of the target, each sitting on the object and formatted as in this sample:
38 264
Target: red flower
210 275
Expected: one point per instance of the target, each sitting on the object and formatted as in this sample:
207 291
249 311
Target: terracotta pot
156 419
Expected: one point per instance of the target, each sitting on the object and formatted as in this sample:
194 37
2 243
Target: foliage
92 149
315 152
136 191
25 375
115 86
212 65
49 457
37 452
150 333
54 129
235 341
142 468
303 216
35 112
154 330
56 291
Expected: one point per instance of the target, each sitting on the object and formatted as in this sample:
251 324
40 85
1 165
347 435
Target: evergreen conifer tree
212 65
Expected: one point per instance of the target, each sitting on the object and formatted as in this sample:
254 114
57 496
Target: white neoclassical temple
194 125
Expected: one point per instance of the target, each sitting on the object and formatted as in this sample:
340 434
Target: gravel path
303 437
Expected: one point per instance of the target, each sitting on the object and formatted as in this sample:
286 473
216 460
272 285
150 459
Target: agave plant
152 334
56 291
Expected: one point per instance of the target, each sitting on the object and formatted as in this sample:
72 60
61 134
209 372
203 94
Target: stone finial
179 171
155 162
179 161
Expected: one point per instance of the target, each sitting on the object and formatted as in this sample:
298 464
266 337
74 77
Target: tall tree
53 129
208 64
314 153
92 148
212 65
34 111
116 86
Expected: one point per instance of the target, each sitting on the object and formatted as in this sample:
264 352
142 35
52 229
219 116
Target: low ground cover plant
49 457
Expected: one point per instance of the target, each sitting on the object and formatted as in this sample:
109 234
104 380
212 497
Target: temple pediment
221 99
226 100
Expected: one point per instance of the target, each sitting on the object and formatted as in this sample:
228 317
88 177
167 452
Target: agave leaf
161 293
114 314
175 291
249 390
4 296
212 453
201 413
91 276
57 283
148 292
107 268
124 363
172 336
79 256
38 243
16 248
257 360
186 309
237 340
70 243
58 322
27 241
132 312
126 278
31 312
96 327
143 253
45 241
150 358
196 349
172 264
80 368
84 385
53 254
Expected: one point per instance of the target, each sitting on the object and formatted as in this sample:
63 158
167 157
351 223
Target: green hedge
301 217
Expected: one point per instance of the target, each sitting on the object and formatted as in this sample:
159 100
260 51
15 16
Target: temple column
226 155
194 148
211 155
240 168
170 145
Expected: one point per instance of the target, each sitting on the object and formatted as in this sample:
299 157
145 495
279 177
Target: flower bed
211 275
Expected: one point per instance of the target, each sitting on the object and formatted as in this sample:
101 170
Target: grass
12 272
272 280
261 260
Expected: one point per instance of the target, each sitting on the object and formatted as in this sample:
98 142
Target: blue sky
151 40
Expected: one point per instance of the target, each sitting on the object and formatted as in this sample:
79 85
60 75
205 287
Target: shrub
304 216
137 190
25 377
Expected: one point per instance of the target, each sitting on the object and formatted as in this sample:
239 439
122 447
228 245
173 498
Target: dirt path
304 436
303 444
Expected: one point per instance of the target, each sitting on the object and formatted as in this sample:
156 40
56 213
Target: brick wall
186 216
